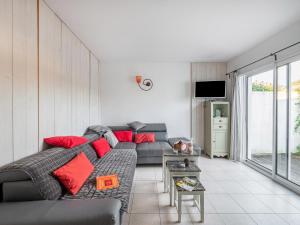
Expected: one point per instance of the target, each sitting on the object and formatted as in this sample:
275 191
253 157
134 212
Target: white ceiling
174 30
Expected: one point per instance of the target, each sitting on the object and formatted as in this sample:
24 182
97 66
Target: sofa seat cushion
118 161
125 145
91 212
152 149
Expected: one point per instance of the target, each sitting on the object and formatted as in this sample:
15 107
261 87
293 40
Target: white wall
122 101
286 37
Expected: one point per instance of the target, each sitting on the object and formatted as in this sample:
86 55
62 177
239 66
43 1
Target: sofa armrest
61 212
20 191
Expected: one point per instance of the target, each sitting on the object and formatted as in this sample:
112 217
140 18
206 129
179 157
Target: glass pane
294 134
260 118
282 117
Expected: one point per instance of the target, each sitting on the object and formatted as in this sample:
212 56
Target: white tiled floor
235 195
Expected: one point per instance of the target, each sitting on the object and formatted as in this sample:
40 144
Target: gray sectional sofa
29 194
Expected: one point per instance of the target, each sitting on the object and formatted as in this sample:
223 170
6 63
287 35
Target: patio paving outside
266 161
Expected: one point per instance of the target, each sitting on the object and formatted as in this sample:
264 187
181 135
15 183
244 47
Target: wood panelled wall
6 135
69 79
49 80
203 72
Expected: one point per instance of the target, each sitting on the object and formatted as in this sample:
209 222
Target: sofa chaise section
151 153
119 161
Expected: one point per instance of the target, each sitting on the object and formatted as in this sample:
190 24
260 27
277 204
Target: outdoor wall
260 140
122 101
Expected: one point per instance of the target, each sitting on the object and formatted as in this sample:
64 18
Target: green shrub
262 86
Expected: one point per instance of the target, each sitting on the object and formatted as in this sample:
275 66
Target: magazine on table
186 183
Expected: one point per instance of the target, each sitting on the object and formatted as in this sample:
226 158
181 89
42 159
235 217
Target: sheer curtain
238 117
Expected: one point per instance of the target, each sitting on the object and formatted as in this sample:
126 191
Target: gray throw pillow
111 138
98 129
136 125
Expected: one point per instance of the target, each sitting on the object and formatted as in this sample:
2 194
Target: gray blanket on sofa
119 161
39 167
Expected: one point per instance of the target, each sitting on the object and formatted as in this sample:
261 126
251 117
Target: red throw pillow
144 137
65 141
123 135
74 173
101 146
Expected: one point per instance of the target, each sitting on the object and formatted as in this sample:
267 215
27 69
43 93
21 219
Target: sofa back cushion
161 136
117 128
153 127
74 173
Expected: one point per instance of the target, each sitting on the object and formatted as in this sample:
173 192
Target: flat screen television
210 89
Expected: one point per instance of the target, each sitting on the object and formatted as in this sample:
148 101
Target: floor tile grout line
257 200
281 199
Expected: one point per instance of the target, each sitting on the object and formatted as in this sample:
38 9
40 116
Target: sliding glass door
260 118
294 139
288 122
274 143
282 118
